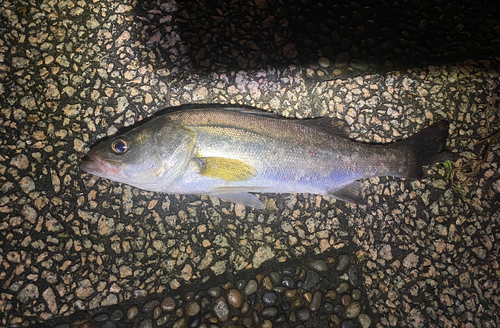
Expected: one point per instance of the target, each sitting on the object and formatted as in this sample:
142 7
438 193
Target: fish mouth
96 165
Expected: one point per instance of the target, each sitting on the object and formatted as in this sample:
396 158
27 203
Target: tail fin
426 147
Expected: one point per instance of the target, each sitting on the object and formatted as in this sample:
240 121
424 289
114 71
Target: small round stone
132 312
275 277
214 292
117 315
234 298
353 310
270 298
168 304
194 321
287 282
189 296
162 320
192 309
343 262
342 288
353 276
359 64
181 323
269 311
149 306
303 314
356 294
345 300
312 278
291 293
364 320
101 317
88 324
245 307
324 62
338 308
240 284
319 265
146 323
221 309
205 302
109 324
335 319
267 283
316 301
331 295
251 287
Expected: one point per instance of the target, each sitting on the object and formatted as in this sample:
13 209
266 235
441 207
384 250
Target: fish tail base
426 147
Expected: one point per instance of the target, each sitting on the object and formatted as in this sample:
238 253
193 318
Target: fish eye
119 146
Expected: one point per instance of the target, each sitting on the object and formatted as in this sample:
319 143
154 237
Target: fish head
130 158
148 157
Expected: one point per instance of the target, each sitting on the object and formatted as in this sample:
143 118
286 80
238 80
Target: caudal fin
426 147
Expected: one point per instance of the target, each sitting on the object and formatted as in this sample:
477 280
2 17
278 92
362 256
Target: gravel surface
81 251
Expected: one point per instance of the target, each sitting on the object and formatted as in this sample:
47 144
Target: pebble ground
76 250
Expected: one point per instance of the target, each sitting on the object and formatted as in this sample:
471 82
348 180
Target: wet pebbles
320 294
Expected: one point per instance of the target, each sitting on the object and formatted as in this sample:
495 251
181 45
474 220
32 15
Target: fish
233 153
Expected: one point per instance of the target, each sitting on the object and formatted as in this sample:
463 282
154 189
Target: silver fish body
230 153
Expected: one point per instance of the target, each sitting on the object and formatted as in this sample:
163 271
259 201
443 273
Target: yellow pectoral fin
226 168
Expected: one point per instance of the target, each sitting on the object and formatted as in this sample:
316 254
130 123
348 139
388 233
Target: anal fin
242 198
352 193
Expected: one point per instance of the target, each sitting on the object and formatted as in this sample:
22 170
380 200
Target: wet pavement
77 250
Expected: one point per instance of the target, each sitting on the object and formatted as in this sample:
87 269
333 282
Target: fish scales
230 153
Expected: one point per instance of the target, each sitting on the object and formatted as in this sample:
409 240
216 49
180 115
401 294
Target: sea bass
233 152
